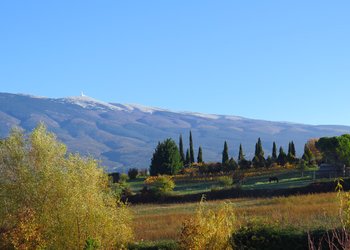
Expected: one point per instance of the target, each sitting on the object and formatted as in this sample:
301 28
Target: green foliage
258 160
282 157
225 181
123 178
181 150
241 156
154 245
160 185
133 173
262 236
335 149
225 156
53 200
308 157
188 157
166 159
191 149
200 155
91 244
274 151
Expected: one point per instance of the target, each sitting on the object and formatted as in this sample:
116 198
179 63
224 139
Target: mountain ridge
125 135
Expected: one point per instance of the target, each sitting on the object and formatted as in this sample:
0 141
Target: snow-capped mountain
124 136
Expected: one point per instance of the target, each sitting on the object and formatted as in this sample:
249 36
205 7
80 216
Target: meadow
154 222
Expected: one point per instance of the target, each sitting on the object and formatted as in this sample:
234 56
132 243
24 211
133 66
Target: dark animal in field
273 178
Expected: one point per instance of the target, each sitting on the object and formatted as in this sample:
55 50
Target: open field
288 178
157 222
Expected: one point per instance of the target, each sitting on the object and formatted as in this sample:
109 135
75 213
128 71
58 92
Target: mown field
153 222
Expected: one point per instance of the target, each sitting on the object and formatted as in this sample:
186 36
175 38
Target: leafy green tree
308 157
54 200
336 149
274 151
200 155
191 149
181 150
240 154
282 157
225 156
166 158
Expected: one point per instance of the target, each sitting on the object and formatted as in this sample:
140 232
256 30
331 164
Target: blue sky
273 60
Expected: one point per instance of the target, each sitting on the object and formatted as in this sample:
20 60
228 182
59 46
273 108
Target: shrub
160 185
208 229
263 236
157 245
132 173
225 181
53 200
123 178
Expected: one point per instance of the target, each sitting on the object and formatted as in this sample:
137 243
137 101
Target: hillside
124 136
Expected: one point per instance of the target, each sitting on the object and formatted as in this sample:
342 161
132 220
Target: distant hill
125 136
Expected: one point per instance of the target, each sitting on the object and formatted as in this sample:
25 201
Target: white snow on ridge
207 116
89 102
144 109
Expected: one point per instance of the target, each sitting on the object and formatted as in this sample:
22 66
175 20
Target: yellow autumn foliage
53 200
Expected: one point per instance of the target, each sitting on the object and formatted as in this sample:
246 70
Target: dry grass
156 222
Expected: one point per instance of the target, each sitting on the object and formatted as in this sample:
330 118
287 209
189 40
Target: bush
123 178
132 173
51 200
208 229
225 181
160 185
154 245
262 236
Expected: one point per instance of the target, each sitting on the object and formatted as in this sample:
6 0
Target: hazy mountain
124 136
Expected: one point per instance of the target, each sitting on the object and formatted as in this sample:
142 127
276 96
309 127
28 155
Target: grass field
159 222
189 185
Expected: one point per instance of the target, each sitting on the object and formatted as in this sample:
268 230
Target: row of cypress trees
258 160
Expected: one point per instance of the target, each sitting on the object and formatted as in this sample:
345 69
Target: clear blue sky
273 60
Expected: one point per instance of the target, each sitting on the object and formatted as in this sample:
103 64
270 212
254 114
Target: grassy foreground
153 222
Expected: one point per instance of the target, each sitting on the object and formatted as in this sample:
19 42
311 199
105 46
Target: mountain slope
124 136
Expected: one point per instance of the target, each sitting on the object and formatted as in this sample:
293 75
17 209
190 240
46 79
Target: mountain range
125 135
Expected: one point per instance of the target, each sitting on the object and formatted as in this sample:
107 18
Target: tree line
169 158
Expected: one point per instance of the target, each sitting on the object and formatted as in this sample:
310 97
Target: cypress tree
225 157
200 156
274 151
282 157
191 149
188 158
259 160
181 149
293 152
240 154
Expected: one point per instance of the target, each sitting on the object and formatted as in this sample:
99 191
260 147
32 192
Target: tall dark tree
188 158
166 158
191 149
274 151
181 150
241 156
200 155
292 149
282 157
225 157
291 158
259 160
